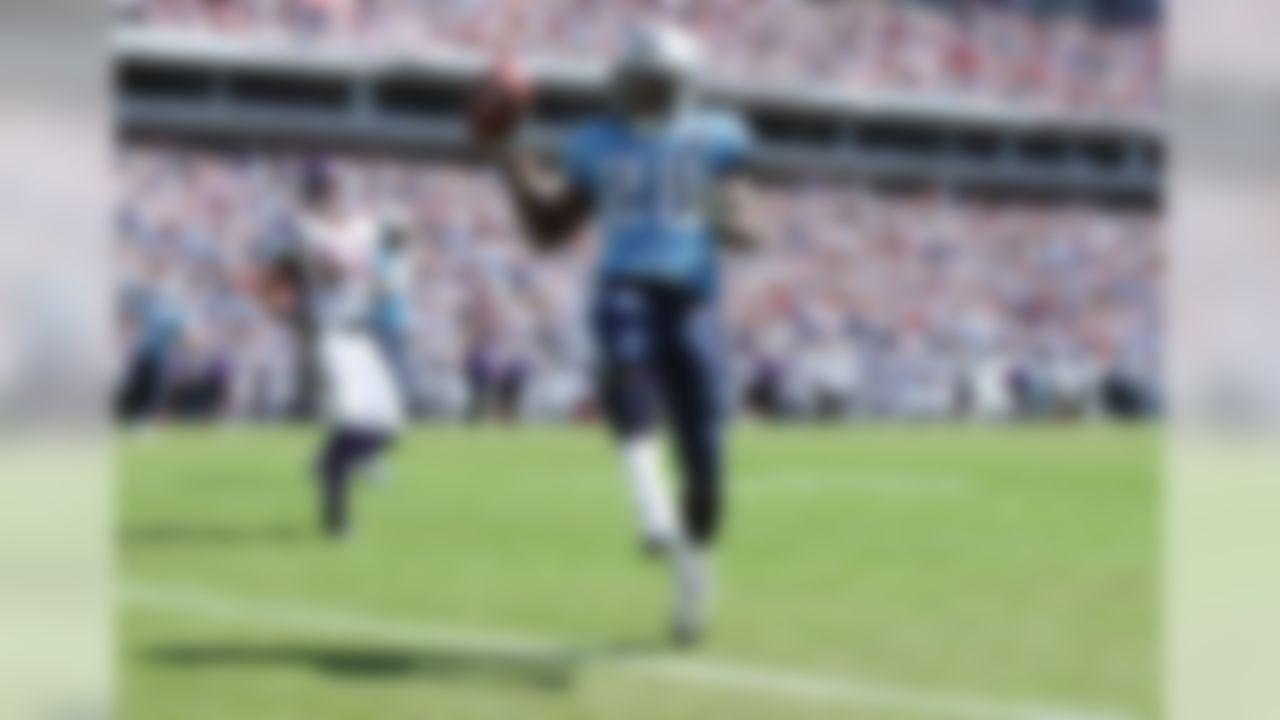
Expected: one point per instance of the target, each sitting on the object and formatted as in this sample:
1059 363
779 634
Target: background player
326 281
393 305
656 171
155 319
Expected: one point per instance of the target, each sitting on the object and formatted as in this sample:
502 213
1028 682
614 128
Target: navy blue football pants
660 353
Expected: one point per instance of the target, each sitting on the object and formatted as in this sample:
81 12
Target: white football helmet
660 50
657 72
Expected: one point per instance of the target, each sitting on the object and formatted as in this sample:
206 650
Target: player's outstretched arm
550 208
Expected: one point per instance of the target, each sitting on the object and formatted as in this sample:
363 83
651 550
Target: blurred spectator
920 305
999 50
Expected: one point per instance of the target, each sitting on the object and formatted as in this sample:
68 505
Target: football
499 103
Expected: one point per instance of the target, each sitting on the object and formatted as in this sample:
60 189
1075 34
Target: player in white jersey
329 272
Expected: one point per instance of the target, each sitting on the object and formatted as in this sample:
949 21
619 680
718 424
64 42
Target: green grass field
886 573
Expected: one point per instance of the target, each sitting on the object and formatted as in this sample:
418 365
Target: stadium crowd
978 48
915 305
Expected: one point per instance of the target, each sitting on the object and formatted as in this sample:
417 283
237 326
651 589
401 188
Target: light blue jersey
651 189
158 317
392 308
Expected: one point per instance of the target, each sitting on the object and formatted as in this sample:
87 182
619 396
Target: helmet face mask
645 95
655 77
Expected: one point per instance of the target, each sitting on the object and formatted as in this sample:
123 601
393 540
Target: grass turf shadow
547 671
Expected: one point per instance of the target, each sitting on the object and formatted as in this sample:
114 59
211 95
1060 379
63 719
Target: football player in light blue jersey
392 309
659 175
157 316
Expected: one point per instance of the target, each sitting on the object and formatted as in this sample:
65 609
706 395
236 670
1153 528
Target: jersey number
666 191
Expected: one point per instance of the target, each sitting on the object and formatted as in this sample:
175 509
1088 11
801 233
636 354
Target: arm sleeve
577 157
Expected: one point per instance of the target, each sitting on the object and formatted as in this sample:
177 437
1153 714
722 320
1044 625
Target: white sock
693 565
694 588
642 458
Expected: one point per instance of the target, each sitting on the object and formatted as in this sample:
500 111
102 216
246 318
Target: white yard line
780 684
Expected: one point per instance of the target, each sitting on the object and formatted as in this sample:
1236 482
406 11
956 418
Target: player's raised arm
551 207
